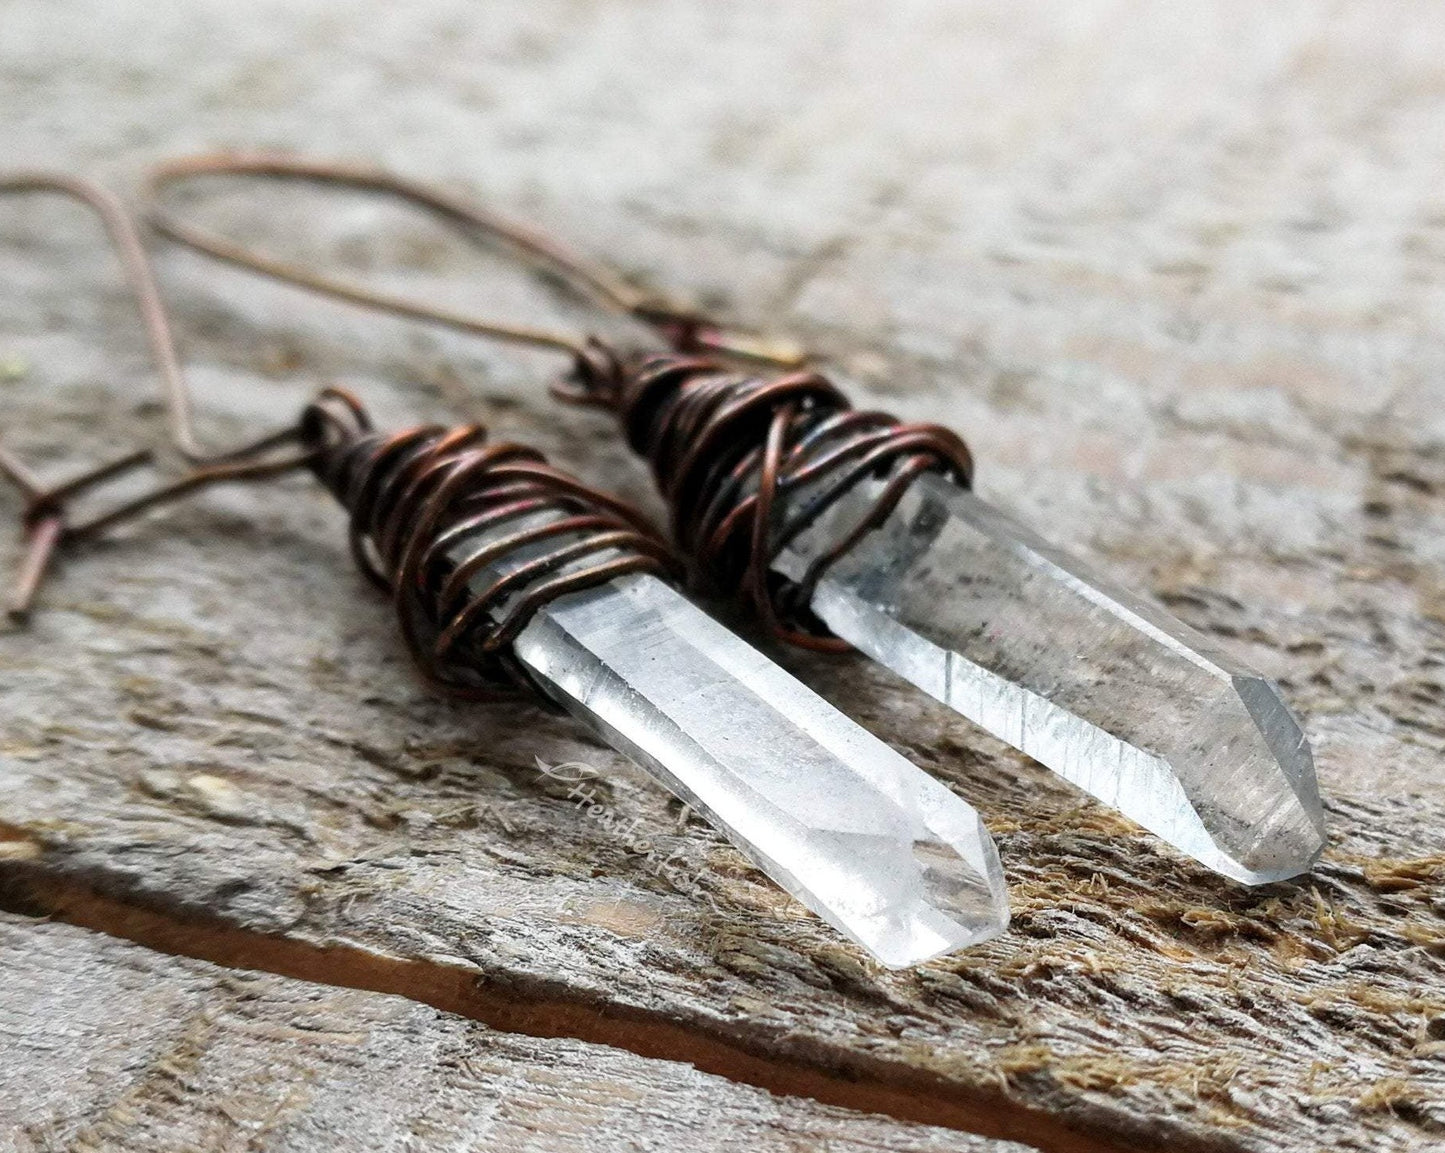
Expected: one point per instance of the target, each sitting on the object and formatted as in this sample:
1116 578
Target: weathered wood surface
110 1046
1178 272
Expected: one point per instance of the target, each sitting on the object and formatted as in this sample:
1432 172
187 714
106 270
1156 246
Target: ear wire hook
45 515
683 329
696 418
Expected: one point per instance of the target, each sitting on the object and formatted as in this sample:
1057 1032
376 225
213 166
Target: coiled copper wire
728 449
426 505
431 507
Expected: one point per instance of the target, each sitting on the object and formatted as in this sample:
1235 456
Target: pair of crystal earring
838 527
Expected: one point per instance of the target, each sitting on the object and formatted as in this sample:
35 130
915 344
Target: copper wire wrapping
426 504
431 507
728 449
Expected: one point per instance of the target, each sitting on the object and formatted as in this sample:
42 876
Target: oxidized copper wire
682 327
727 448
426 505
126 240
45 515
431 507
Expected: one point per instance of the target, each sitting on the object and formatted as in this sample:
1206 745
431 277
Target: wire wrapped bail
469 538
730 448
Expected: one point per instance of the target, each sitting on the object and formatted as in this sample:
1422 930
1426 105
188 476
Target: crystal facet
859 834
1107 690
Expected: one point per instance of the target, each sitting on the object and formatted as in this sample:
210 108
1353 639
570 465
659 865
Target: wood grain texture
113 1047
1179 273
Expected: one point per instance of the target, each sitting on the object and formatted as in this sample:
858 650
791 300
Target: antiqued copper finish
684 328
726 446
48 524
430 506
125 239
426 505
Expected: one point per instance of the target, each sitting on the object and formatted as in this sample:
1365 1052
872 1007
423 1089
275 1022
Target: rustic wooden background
1178 271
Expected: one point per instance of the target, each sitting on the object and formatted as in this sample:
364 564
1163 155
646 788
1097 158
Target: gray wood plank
1177 274
113 1047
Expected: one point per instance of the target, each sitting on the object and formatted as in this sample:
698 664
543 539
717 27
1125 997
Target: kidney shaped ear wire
45 516
506 573
728 444
683 328
410 494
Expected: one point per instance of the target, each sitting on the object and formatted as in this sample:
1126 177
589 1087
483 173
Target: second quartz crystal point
859 834
1108 690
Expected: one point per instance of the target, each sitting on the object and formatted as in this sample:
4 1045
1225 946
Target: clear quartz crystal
859 834
1107 690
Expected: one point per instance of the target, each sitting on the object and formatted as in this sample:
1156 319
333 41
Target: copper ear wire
45 516
432 508
682 328
126 241
47 526
727 448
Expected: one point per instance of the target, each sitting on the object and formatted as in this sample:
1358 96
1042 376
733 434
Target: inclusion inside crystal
1109 691
859 834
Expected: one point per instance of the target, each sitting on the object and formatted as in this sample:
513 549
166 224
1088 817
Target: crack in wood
902 1093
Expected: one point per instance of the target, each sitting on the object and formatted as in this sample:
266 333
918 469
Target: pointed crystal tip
1105 688
1261 820
909 901
863 837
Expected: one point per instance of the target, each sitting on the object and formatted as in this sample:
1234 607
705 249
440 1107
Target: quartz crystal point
1107 690
859 834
